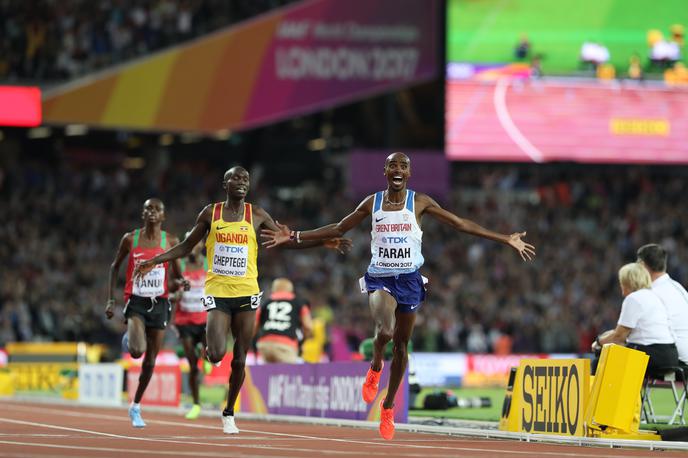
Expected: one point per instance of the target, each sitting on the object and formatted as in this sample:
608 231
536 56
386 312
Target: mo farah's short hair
634 277
653 256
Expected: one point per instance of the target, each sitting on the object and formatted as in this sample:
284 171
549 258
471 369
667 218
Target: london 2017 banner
327 390
293 61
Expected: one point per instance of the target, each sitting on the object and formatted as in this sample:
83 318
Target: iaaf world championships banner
327 390
296 60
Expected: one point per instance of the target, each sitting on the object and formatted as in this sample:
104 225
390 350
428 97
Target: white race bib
208 303
152 284
230 260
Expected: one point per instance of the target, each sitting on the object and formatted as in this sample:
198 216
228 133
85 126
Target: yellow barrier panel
547 396
48 366
614 408
6 383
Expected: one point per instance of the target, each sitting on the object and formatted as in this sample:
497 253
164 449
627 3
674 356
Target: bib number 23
208 302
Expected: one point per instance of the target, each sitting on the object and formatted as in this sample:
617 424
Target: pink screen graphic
538 121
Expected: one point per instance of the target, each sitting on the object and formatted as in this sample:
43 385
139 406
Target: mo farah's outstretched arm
282 234
334 242
427 205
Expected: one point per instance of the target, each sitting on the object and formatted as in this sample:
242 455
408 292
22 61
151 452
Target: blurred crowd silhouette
48 40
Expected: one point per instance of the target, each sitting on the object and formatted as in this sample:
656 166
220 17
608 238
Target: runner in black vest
284 321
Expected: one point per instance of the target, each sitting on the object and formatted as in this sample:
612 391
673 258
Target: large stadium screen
497 110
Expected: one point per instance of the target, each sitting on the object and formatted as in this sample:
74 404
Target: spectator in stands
678 34
677 75
48 40
536 66
522 49
283 322
635 69
665 54
606 72
593 54
643 323
673 295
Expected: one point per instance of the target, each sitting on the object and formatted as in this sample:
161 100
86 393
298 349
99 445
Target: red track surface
564 122
33 430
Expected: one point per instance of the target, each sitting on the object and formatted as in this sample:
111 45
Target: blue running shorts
407 289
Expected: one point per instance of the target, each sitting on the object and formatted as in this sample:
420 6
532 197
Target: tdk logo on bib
235 249
394 240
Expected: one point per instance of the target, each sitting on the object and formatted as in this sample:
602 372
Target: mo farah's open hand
526 250
275 238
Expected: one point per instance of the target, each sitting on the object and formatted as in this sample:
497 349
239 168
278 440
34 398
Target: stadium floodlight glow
190 137
317 144
39 132
166 140
134 163
223 134
20 106
76 129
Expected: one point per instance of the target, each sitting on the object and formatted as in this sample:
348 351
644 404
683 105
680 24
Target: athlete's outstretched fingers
267 233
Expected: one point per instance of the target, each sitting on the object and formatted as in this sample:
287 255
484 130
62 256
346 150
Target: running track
35 430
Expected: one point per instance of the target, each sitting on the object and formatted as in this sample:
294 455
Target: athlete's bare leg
216 330
402 334
154 338
382 307
242 330
136 332
189 344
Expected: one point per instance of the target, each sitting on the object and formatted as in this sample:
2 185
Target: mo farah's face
397 171
153 211
236 182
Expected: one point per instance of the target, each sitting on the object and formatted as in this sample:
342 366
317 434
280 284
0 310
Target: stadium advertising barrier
101 384
327 390
164 388
295 60
544 120
468 370
559 396
492 370
46 367
548 396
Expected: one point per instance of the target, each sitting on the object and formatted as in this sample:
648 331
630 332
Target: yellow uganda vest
232 252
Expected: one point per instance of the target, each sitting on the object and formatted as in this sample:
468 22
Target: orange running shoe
386 422
371 383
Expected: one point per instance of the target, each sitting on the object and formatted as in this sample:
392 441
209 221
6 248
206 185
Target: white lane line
507 123
319 450
16 435
142 452
233 440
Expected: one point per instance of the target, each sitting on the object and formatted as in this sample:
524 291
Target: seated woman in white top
643 323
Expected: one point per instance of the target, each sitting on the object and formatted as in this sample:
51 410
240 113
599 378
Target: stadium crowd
62 224
48 40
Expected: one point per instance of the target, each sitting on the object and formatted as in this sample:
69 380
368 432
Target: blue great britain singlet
396 239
